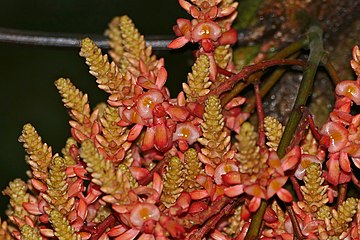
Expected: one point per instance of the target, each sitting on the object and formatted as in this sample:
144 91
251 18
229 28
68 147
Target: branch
247 71
316 53
284 53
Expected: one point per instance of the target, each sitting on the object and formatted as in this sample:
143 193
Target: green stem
256 221
316 53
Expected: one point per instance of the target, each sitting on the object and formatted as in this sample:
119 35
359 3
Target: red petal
254 204
333 171
291 158
178 42
344 162
284 195
229 37
275 185
275 163
338 136
349 89
234 190
161 78
135 132
255 190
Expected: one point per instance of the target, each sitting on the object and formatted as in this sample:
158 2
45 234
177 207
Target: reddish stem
157 169
314 129
296 187
342 193
101 228
260 112
296 227
224 72
247 71
355 180
211 223
190 220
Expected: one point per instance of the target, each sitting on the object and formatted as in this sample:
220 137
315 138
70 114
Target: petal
275 162
206 30
333 171
284 195
275 185
353 150
178 42
222 169
255 190
349 89
291 159
338 136
344 162
234 190
254 204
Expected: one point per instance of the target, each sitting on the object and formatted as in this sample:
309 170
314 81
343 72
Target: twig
316 52
284 53
100 229
246 71
296 227
210 224
191 220
267 85
296 187
260 113
157 169
355 180
325 61
342 193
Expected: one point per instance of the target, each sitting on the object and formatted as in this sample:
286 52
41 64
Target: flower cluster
147 166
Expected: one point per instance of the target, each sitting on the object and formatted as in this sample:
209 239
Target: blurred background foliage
27 73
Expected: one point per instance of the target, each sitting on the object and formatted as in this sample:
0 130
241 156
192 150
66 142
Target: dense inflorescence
147 166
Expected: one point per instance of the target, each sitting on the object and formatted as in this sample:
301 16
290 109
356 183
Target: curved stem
248 71
267 85
284 53
325 61
316 53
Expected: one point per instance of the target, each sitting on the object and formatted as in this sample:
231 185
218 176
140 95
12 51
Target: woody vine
148 166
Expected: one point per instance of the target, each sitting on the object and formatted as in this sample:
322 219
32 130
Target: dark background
27 73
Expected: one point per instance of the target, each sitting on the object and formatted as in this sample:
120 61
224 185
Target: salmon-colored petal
333 171
178 42
222 169
338 136
344 162
232 178
284 195
197 206
135 132
254 204
128 235
275 185
349 89
199 194
291 159
255 190
234 190
275 162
